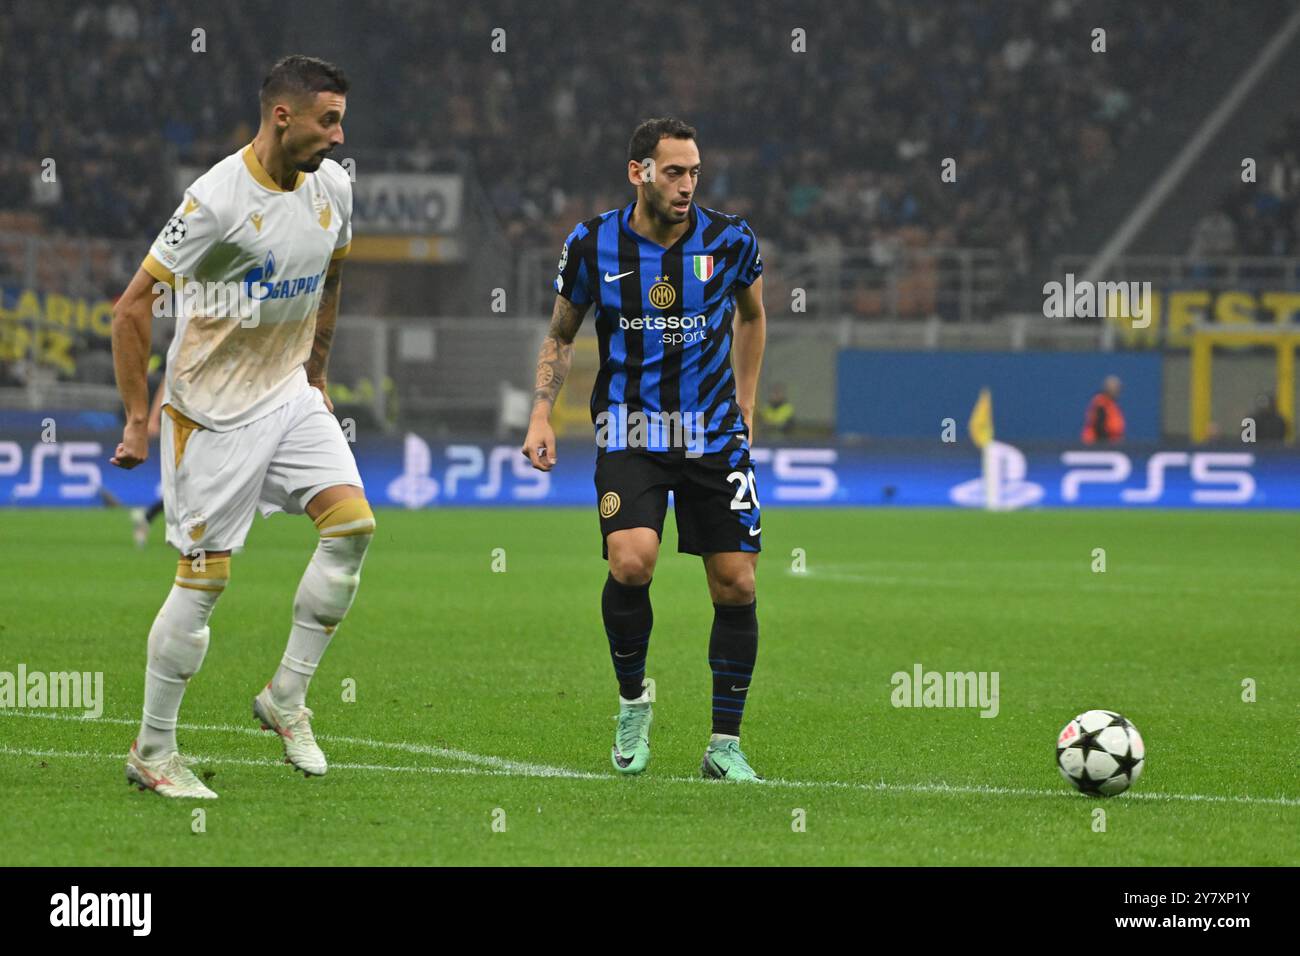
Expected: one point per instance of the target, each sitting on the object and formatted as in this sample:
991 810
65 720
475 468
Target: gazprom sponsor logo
261 285
241 300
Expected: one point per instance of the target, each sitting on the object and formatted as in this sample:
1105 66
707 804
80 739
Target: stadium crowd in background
126 103
1263 218
837 149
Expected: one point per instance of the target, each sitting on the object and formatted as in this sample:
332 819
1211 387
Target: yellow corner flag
980 425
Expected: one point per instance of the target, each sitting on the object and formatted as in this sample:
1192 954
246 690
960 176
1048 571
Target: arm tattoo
557 351
326 315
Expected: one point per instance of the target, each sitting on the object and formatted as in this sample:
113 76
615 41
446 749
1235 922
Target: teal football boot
631 751
724 760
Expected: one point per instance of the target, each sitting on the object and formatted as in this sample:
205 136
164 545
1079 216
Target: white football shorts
214 482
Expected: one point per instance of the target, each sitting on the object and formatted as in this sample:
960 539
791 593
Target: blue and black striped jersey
664 322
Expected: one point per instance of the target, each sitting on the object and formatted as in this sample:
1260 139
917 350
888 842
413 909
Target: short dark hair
646 137
298 76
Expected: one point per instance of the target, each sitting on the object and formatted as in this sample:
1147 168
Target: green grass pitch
485 696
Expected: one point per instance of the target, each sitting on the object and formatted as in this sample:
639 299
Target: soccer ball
1100 753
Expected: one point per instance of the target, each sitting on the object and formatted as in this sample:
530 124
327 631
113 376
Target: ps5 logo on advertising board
1002 485
499 473
481 468
72 460
1219 477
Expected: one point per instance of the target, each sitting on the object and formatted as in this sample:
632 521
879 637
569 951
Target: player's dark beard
311 163
661 209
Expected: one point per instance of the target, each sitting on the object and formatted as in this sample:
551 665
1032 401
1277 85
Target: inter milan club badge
662 295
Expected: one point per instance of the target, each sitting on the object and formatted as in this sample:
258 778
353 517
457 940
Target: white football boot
168 776
294 728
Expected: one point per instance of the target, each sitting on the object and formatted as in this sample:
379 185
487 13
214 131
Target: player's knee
733 587
631 567
346 529
179 638
334 576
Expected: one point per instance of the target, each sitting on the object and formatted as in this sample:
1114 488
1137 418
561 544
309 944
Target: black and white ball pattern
1100 753
174 232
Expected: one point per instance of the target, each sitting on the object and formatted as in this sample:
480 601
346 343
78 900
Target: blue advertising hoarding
410 472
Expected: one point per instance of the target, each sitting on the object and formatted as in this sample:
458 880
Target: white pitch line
499 766
944 788
958 584
245 762
464 756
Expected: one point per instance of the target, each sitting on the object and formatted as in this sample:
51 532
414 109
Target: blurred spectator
1262 218
1270 426
777 413
1214 235
1103 423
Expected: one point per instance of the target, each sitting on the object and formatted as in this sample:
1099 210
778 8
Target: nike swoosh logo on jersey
610 278
754 531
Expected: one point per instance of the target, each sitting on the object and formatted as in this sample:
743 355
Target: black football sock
628 619
154 511
733 646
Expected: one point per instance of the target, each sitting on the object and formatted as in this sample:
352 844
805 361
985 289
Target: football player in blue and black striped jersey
678 296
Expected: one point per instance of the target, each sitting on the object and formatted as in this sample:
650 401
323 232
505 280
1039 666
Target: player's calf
733 649
178 642
325 594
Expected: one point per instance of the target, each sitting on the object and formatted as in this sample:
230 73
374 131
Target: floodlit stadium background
478 136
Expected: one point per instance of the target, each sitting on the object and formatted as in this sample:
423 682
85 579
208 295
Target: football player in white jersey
247 423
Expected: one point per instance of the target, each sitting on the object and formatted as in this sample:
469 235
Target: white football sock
178 642
324 595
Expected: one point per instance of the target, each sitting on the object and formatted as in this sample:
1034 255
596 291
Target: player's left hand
324 390
133 449
748 415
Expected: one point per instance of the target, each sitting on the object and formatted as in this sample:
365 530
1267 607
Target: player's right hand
539 445
133 448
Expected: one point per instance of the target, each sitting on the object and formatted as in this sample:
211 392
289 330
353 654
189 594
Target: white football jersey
237 228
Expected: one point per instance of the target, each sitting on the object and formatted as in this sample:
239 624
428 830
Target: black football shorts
714 497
